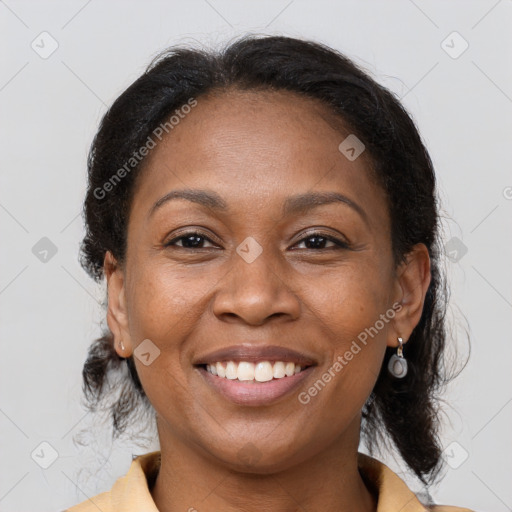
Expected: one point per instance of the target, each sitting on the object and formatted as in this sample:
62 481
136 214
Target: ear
117 317
411 285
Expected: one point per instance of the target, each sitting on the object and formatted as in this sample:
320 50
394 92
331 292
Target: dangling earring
397 365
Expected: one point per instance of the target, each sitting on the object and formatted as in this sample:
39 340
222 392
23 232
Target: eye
319 240
190 240
313 241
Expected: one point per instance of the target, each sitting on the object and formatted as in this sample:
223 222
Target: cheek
350 298
163 302
356 350
162 308
351 307
166 305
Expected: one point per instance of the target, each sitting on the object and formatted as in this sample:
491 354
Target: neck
328 481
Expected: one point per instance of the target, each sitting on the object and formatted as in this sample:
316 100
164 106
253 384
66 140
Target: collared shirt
131 493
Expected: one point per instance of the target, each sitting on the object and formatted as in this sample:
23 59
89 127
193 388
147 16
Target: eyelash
340 244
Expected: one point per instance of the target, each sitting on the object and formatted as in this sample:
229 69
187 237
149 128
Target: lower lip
254 393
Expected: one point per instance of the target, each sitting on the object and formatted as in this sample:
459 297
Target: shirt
131 493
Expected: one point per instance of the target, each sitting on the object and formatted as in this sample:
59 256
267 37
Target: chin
261 458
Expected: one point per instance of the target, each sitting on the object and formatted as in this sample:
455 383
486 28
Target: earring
121 345
397 365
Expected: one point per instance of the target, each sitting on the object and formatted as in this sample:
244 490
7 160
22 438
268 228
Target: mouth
254 376
247 371
253 392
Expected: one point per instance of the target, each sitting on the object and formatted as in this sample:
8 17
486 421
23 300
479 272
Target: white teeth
221 372
212 368
245 371
279 372
231 370
263 371
289 369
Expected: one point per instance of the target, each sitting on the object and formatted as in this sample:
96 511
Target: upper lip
255 353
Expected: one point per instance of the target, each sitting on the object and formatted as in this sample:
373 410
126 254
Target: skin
255 149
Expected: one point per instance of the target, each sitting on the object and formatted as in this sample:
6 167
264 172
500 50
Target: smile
248 371
262 383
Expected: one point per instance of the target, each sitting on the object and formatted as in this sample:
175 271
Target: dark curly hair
406 409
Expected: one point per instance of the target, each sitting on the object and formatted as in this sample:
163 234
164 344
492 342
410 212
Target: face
288 247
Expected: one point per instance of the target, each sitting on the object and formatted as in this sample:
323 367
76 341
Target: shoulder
129 492
101 502
392 492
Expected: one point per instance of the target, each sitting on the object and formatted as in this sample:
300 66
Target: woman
266 220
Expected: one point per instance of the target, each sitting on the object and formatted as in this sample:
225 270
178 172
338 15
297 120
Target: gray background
50 310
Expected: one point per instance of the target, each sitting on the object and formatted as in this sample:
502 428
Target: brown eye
319 241
190 240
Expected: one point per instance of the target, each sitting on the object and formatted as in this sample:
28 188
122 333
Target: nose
253 292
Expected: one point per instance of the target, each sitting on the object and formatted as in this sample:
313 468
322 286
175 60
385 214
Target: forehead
257 148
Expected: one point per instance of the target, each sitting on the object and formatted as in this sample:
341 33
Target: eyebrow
304 202
206 198
293 205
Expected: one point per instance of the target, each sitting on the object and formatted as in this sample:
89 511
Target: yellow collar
131 492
